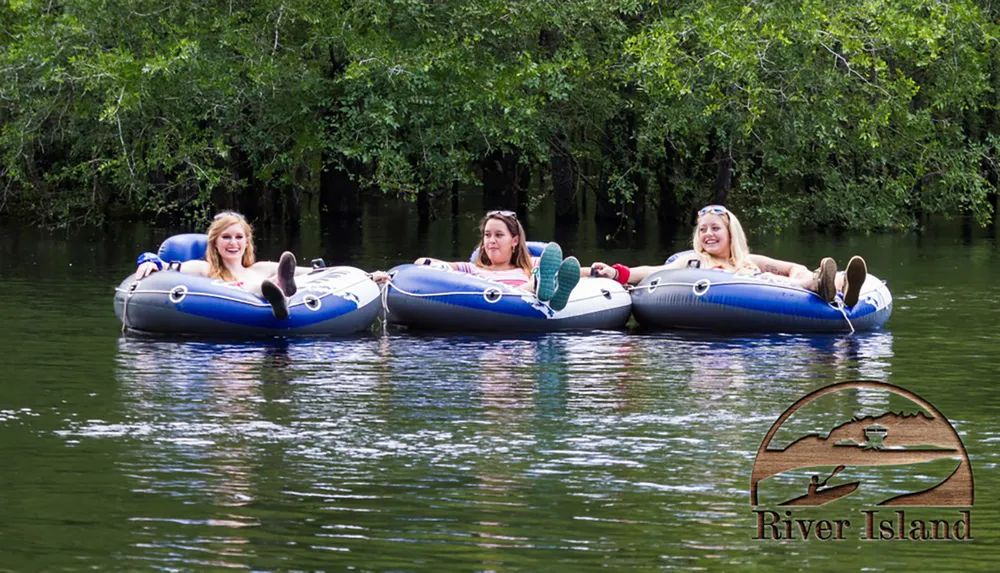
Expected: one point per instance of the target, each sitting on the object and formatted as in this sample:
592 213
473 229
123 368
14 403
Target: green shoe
569 275
548 267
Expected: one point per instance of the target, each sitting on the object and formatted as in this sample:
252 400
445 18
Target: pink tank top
512 277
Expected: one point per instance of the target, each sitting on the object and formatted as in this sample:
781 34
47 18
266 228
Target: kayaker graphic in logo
912 435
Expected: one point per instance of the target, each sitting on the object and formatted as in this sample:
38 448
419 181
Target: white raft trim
306 300
309 300
871 290
497 292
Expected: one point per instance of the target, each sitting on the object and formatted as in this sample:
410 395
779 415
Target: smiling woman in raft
504 257
720 243
230 257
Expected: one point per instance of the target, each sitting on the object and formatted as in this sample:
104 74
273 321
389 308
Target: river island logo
903 439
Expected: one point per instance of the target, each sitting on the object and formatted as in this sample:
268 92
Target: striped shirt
512 277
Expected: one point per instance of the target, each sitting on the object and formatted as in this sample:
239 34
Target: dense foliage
854 114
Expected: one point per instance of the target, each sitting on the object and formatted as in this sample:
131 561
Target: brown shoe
286 274
272 294
824 280
854 279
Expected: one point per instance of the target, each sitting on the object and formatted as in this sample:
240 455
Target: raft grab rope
704 284
492 295
180 292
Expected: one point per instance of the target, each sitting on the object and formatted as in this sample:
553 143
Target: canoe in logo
888 439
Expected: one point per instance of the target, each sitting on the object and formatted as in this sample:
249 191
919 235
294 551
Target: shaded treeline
844 114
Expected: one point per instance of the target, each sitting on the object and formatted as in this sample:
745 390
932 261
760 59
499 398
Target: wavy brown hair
223 221
521 258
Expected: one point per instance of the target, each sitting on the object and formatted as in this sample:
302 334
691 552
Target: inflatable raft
721 301
431 298
334 301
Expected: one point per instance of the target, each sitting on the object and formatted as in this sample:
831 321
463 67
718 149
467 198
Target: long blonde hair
739 251
521 257
223 221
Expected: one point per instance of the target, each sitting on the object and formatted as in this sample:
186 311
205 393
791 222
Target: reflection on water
468 445
561 452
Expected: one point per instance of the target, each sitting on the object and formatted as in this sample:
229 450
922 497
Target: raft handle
606 293
653 284
492 295
178 293
701 287
312 302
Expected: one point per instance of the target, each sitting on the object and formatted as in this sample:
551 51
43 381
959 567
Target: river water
423 452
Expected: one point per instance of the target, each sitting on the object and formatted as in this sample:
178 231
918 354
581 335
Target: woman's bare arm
637 274
195 267
781 268
430 261
270 268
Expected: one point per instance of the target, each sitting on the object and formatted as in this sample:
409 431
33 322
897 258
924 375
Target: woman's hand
380 277
434 263
146 264
145 269
604 271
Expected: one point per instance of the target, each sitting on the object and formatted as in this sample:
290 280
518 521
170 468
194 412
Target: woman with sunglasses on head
230 256
503 256
720 243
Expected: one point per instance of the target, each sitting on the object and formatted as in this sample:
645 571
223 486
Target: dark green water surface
408 452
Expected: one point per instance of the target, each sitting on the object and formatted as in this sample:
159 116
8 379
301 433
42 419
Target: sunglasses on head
510 214
714 209
228 214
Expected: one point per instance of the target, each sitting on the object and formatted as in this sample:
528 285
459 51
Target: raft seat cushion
676 256
185 247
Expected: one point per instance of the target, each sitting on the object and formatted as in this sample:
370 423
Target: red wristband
623 273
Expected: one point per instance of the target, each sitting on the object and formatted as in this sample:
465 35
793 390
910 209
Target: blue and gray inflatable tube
334 301
430 298
721 301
